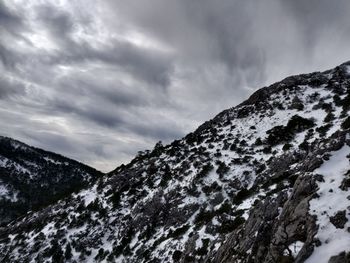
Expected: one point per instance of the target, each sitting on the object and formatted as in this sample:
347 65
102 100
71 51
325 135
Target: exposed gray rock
273 232
341 258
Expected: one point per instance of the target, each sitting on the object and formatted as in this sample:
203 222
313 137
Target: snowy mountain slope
255 184
31 178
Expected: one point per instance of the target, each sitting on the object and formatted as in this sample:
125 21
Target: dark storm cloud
99 81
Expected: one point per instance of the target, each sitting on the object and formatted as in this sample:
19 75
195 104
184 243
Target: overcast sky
100 80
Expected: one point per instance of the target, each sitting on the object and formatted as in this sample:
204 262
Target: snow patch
295 247
332 199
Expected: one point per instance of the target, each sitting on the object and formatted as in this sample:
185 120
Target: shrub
278 134
217 154
178 232
299 124
177 255
297 104
214 187
115 199
225 207
222 169
282 134
242 195
323 129
337 100
202 251
258 142
287 146
204 216
243 112
157 150
267 149
346 103
100 255
304 146
68 252
205 170
165 179
330 116
229 225
346 124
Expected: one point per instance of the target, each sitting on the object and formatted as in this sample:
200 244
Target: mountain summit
265 181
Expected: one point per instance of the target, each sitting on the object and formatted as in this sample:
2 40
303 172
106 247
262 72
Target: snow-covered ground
332 199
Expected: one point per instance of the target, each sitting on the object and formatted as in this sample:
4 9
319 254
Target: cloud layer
99 80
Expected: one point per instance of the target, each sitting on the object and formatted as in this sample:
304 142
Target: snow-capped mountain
265 181
31 178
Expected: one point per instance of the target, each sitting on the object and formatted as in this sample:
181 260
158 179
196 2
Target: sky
98 81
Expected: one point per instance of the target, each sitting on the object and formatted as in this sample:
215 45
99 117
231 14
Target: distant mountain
265 181
31 178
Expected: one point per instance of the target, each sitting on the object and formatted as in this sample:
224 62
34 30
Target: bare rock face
341 258
272 226
255 236
281 223
294 224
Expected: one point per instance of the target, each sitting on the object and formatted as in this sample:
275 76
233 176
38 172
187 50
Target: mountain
31 178
265 181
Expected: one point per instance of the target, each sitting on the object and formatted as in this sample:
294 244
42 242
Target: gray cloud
8 58
317 18
150 66
100 81
10 88
58 22
9 20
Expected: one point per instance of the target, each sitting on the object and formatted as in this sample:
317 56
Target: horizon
98 82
